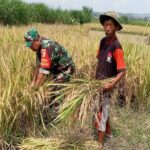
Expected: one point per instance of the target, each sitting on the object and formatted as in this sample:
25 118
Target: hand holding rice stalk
78 95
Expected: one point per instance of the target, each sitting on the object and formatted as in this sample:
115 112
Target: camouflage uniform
51 57
54 58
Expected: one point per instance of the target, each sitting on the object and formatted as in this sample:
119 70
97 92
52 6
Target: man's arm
39 79
35 75
109 86
121 69
39 76
43 68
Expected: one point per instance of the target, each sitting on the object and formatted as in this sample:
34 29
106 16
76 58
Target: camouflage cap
31 35
113 15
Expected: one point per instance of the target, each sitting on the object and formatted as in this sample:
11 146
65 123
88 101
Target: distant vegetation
17 12
14 12
134 21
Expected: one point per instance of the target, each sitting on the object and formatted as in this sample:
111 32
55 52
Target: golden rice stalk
77 97
41 144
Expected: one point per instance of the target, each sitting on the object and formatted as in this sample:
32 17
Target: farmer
51 57
110 65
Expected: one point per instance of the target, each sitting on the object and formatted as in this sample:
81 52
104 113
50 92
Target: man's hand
108 87
35 75
39 80
32 85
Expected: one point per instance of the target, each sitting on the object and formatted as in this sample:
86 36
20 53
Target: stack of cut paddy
76 97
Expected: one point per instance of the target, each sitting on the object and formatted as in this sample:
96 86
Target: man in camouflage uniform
51 57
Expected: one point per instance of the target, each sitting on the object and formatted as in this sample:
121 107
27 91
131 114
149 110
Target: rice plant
21 109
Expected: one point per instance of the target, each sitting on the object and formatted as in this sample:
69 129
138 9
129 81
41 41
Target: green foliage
39 13
141 22
87 14
18 12
133 21
83 16
124 19
13 12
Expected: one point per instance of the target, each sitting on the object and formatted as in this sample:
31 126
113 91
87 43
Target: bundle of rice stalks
52 143
72 139
41 144
76 98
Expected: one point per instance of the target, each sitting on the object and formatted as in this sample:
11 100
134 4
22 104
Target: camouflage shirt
54 58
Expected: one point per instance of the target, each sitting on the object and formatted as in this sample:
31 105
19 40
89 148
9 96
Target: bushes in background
18 12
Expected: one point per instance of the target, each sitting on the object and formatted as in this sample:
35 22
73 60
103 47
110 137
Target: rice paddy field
22 114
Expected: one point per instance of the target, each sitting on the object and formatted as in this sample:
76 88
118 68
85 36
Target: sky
123 6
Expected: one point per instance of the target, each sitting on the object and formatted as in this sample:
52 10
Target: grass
130 131
22 111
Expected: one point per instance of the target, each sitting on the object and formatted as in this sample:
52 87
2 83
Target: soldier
51 57
110 65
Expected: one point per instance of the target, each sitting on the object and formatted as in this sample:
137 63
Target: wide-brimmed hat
113 15
31 35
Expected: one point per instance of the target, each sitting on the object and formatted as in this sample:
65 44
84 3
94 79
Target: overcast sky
125 6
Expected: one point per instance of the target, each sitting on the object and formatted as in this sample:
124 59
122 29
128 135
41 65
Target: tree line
16 12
